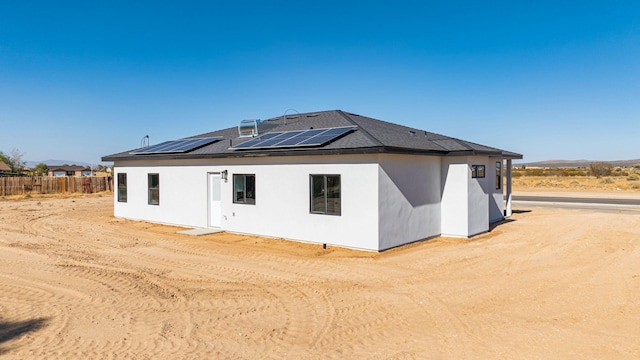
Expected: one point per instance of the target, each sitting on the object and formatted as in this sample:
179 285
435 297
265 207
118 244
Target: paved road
598 204
577 200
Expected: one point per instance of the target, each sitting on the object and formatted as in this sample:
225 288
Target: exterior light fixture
224 175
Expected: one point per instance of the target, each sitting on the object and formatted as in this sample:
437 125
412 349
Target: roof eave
314 152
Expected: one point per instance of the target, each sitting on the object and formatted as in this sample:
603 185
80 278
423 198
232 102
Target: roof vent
248 128
412 133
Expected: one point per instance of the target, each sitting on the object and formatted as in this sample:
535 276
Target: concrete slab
200 231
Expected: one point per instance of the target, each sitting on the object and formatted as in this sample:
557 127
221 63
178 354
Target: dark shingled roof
370 136
69 168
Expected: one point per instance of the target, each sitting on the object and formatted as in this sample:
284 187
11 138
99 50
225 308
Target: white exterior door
215 210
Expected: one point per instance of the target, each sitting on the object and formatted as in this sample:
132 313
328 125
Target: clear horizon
79 80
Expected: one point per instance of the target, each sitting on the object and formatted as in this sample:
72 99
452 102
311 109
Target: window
477 171
154 189
122 187
498 175
244 189
325 194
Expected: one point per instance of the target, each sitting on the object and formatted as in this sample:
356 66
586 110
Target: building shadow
521 211
10 330
494 225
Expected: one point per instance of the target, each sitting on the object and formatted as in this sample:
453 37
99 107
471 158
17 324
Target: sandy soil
549 284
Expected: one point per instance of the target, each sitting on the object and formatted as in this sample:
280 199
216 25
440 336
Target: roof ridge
360 128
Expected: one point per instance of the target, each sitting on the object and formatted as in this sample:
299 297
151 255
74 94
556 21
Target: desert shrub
607 180
600 169
534 172
635 185
633 177
572 172
619 172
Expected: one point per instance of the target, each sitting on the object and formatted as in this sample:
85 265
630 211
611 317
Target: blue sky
551 80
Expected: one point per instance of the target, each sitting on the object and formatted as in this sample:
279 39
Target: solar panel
250 143
295 138
176 146
324 136
277 139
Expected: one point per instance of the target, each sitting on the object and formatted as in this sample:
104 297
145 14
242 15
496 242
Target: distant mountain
577 163
52 162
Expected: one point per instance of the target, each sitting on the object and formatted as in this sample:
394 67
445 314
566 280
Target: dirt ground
75 282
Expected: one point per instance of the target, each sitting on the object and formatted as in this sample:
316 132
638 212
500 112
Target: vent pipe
284 116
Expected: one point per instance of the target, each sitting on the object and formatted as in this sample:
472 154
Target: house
4 169
70 170
327 177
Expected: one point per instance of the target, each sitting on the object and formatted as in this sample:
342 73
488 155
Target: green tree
4 158
14 160
41 169
600 169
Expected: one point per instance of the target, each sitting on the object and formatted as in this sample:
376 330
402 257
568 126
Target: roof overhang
311 152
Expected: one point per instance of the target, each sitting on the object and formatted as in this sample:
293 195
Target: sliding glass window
244 188
325 194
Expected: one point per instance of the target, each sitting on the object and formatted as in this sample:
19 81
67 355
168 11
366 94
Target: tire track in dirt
22 301
123 289
298 304
153 297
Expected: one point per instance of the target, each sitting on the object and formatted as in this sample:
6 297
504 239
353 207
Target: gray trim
313 152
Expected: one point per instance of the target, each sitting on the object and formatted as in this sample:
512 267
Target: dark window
498 175
244 189
154 189
477 171
325 194
122 187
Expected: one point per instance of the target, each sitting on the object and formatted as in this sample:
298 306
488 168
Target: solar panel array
176 146
295 138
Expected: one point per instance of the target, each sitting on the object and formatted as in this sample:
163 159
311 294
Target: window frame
326 210
122 186
478 171
498 175
153 189
245 199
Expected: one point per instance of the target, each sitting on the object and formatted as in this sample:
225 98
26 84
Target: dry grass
65 195
576 179
576 183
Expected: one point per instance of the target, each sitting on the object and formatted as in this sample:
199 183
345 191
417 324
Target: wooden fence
54 184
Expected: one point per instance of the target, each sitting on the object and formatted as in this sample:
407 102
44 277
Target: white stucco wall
496 199
409 198
469 204
386 199
183 194
479 194
282 197
282 202
455 176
